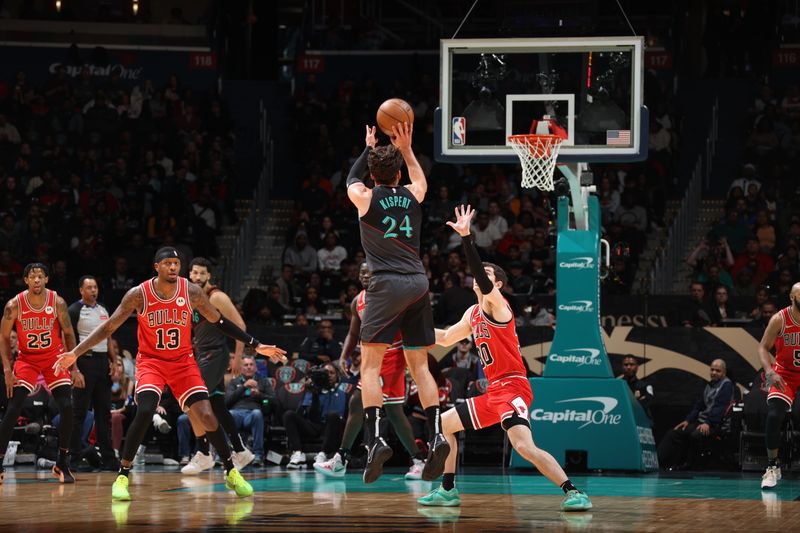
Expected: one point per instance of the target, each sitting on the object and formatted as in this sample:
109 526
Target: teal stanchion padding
598 416
577 349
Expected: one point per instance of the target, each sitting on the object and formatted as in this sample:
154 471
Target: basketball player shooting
164 306
491 323
390 218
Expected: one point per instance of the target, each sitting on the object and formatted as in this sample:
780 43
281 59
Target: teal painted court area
705 487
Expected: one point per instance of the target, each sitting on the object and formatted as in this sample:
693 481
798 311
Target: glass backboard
590 86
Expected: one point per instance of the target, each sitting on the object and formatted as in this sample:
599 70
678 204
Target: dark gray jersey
206 337
390 231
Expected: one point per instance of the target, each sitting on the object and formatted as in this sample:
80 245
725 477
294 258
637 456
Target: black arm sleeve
233 331
476 266
359 168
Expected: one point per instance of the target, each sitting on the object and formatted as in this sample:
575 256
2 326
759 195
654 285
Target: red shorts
792 380
182 375
393 377
28 367
503 399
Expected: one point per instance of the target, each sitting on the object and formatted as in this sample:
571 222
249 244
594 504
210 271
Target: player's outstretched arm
458 331
493 301
774 328
6 326
402 140
131 303
200 301
360 194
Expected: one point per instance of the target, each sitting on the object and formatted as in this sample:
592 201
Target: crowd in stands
745 267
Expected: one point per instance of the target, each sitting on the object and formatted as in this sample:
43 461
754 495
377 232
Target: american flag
618 137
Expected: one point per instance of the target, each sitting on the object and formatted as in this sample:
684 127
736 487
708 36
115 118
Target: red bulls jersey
787 345
396 348
38 329
497 345
165 326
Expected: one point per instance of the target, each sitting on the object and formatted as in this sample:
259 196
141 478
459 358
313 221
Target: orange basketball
394 111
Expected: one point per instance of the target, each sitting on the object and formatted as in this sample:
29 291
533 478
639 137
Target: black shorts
213 366
398 302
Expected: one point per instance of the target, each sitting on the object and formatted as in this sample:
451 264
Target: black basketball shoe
438 450
379 453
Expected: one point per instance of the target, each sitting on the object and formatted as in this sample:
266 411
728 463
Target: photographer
321 414
244 397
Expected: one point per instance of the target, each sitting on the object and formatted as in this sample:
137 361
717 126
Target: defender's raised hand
464 214
371 140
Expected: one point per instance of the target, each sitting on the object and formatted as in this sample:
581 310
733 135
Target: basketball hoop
538 155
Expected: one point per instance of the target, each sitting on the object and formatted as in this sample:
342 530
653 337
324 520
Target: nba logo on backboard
459 131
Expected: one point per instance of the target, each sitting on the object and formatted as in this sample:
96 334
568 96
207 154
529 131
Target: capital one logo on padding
578 356
578 263
593 414
577 306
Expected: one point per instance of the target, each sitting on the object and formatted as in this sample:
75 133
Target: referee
92 382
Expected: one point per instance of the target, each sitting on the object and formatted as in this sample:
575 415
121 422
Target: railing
671 255
245 243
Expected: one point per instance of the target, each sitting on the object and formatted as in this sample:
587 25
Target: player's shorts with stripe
213 366
398 302
182 375
393 377
791 378
28 367
503 399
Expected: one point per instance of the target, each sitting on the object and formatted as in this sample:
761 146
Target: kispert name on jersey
497 345
390 231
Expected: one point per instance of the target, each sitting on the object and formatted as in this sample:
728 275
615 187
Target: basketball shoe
62 472
438 451
415 472
439 497
119 490
199 462
771 477
333 467
242 459
576 500
234 481
379 453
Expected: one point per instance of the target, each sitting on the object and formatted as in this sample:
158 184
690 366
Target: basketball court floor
301 501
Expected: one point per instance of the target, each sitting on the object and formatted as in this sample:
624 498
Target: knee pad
147 401
514 420
776 410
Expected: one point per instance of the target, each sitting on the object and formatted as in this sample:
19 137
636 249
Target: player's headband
168 252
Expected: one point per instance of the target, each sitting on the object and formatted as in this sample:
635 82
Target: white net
538 155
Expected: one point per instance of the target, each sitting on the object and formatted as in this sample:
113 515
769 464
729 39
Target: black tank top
206 337
390 231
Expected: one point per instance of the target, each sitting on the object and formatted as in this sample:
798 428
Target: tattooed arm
132 302
6 326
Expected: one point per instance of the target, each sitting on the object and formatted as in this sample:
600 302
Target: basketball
394 111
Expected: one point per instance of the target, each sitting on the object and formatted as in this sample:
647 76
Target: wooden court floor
302 501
